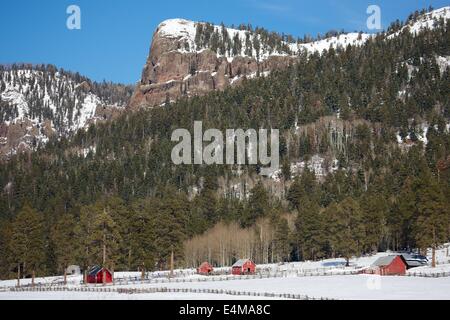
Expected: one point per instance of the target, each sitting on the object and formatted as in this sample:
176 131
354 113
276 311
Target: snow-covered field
337 287
350 287
118 296
292 279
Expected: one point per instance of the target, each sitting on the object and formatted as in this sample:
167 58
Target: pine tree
206 202
143 250
215 39
257 46
281 240
199 36
169 216
303 188
65 244
374 219
310 232
28 241
6 252
402 217
105 238
432 224
258 205
122 216
237 45
286 169
346 231
85 234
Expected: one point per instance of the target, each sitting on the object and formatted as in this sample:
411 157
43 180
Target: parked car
415 260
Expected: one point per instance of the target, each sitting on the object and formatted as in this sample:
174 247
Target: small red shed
205 269
243 266
95 275
389 266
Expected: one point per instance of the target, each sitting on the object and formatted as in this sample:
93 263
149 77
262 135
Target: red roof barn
243 266
388 266
205 268
95 275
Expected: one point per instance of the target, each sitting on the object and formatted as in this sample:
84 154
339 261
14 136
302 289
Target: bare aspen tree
18 275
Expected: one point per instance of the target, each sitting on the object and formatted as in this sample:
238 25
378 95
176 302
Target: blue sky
114 40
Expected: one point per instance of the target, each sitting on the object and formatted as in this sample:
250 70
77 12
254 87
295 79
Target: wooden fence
123 281
134 280
171 290
428 275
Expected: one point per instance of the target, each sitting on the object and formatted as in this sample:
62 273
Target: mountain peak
176 28
191 58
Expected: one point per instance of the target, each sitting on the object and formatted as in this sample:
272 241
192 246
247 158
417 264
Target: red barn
205 269
243 266
389 266
96 273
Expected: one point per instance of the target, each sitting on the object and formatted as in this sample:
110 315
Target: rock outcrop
172 71
182 63
192 58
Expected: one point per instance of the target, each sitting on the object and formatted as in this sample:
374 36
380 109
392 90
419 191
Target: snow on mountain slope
189 58
37 102
23 91
186 32
443 63
426 21
341 41
176 28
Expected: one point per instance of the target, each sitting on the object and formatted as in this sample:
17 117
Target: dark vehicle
415 260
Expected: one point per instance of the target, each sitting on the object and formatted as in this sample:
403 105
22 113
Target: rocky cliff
189 58
192 58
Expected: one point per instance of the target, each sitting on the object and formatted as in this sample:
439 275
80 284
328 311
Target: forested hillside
365 147
40 101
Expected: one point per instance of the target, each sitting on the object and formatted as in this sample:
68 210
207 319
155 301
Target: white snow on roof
240 262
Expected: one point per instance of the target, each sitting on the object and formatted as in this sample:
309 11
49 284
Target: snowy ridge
341 41
426 21
176 28
185 32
